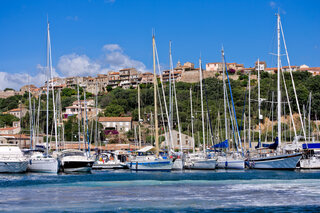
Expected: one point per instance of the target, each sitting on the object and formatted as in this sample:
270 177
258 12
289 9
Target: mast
193 145
87 124
155 98
52 87
279 86
259 104
309 117
47 120
139 116
30 119
224 96
79 114
202 113
272 113
249 111
96 132
170 91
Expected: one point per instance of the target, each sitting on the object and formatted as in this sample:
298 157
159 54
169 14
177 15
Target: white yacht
146 161
311 157
39 162
149 163
200 161
230 161
12 159
73 160
113 160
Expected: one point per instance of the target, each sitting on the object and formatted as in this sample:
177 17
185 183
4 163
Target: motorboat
73 160
12 159
112 160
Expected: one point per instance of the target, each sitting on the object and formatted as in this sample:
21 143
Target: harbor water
183 191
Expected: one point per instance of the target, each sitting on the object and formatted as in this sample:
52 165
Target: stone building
121 124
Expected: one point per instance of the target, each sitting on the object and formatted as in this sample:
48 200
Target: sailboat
228 160
280 159
143 161
200 160
43 162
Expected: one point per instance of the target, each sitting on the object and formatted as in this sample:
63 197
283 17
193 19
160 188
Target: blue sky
94 36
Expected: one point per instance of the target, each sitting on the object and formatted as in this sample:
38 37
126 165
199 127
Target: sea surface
183 191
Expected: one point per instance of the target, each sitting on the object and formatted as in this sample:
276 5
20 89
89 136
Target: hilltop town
131 77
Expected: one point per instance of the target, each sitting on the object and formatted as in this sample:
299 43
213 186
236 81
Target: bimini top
311 146
146 149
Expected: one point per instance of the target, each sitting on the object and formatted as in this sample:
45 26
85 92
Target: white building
121 124
186 140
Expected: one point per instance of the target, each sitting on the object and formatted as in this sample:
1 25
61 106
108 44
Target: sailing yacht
12 159
144 161
200 160
227 160
40 162
280 158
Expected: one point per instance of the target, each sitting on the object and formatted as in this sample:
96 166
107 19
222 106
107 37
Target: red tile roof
115 119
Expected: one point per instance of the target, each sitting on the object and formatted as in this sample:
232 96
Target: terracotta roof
273 68
115 119
121 147
17 136
15 110
311 69
113 73
76 146
8 128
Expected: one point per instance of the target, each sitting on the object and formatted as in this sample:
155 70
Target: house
121 124
313 70
186 140
180 72
82 105
146 78
18 112
23 141
218 67
262 65
113 79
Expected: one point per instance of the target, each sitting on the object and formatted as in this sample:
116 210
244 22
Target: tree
114 111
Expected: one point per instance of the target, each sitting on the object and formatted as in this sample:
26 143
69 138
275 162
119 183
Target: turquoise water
125 191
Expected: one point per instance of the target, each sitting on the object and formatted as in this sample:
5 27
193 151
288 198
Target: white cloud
113 59
112 47
17 80
77 65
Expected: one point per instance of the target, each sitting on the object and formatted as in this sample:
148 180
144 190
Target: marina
159 106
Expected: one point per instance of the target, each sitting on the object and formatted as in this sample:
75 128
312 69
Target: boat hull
288 162
164 165
178 164
230 164
310 163
77 166
13 166
205 164
109 166
45 165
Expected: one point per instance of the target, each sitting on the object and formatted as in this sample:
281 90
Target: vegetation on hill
123 102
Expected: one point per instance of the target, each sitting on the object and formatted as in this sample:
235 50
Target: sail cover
222 145
311 146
